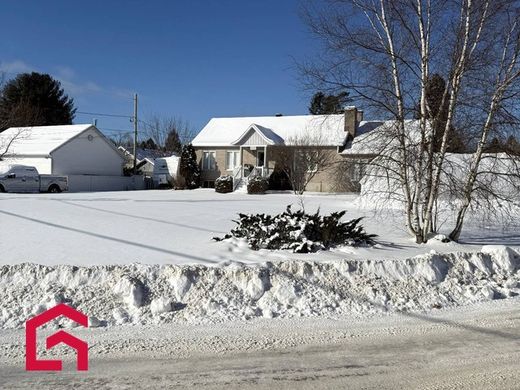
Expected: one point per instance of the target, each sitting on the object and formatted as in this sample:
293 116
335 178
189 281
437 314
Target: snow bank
151 294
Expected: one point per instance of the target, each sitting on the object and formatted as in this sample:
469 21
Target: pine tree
322 104
189 168
438 111
513 146
34 99
173 143
495 145
148 144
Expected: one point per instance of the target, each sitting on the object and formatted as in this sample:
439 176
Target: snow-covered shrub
257 185
298 231
224 184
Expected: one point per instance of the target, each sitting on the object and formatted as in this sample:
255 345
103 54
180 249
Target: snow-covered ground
143 267
176 227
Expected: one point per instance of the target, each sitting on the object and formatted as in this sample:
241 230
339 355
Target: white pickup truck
23 178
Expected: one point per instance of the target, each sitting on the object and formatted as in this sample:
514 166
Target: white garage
80 152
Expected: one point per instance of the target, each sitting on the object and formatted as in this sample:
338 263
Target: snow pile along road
146 294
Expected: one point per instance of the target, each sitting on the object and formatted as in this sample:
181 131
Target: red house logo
32 363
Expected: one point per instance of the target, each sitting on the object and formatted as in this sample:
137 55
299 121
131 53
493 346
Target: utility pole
135 133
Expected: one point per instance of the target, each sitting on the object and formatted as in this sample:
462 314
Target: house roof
146 154
371 136
39 140
375 136
267 134
276 129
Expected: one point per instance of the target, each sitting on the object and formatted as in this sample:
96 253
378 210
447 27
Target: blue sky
193 59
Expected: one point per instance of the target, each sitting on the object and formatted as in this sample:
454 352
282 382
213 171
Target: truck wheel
54 189
2 189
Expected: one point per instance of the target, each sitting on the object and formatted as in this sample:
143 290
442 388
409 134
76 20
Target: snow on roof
371 136
146 154
151 154
39 140
278 129
375 136
267 134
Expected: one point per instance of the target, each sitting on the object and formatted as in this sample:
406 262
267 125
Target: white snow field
176 227
147 257
170 308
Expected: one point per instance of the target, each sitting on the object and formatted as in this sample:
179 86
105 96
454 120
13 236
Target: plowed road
476 347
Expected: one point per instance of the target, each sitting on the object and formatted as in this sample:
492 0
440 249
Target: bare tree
505 88
123 139
302 158
384 52
19 112
7 143
169 133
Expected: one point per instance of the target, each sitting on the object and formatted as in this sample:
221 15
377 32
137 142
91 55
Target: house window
358 170
313 157
208 161
306 160
232 160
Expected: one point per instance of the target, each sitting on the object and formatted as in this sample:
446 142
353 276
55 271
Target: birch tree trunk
507 74
455 82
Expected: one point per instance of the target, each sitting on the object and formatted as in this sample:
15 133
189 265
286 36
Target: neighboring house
228 145
81 152
145 159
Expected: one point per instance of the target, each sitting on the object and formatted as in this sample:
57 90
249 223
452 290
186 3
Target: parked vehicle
166 171
23 178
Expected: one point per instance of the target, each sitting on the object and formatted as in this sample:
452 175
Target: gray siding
253 138
86 155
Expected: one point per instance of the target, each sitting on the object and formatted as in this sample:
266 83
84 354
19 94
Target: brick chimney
352 118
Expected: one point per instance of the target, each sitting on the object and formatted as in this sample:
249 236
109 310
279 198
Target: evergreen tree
322 104
173 143
495 146
148 144
34 99
438 112
513 146
189 168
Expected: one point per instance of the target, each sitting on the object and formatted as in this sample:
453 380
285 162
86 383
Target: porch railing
259 171
239 173
237 177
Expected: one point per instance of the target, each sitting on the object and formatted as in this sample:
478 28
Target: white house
145 159
81 152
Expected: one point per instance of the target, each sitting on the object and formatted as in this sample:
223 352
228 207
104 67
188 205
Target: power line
103 114
146 123
112 130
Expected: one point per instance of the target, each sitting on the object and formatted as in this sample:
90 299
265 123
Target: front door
260 158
